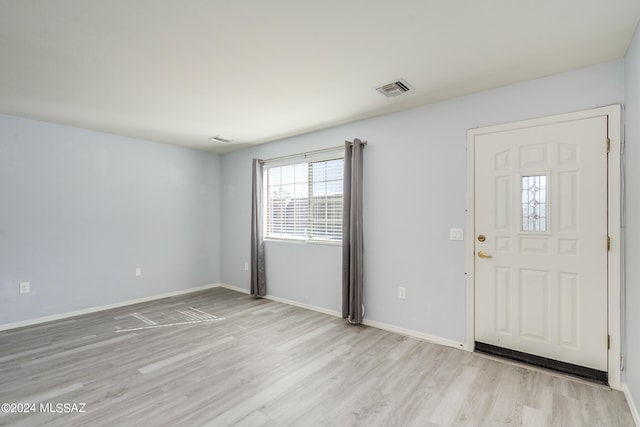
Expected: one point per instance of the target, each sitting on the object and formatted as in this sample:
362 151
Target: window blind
304 197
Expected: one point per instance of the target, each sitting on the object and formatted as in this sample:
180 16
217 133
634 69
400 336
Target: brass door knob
483 254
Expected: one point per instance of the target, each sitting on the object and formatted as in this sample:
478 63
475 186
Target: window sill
304 242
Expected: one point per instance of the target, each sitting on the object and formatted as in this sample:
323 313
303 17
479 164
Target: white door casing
546 292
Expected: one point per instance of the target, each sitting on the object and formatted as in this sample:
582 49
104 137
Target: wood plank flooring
222 358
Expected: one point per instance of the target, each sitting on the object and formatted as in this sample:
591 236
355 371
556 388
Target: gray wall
415 191
80 210
632 232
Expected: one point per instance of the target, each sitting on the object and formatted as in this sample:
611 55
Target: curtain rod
308 153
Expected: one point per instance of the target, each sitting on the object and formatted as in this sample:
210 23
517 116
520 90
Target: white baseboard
284 300
414 334
307 306
372 323
234 288
367 322
60 316
632 405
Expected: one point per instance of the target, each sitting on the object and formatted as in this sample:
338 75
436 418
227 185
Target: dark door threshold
590 374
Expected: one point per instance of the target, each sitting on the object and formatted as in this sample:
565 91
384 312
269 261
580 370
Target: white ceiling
181 71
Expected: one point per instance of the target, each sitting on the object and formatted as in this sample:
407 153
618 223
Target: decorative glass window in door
534 203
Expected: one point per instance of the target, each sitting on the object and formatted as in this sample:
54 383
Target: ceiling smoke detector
394 88
220 139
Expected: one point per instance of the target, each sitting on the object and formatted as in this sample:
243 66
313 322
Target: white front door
541 241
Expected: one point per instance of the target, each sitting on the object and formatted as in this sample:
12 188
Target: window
304 200
534 203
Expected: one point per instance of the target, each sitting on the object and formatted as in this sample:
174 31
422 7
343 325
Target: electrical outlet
246 266
402 292
138 272
25 287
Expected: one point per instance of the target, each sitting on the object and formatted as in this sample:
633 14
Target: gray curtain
258 274
352 277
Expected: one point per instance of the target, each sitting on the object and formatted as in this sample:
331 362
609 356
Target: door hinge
608 145
608 243
608 342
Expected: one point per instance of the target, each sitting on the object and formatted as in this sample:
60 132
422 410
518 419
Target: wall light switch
402 292
456 234
246 266
25 287
138 272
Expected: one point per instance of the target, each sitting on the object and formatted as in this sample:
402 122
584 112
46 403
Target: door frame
614 195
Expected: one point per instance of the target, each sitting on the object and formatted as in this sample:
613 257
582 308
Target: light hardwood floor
262 363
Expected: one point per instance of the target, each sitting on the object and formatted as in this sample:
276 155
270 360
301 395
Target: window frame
547 202
309 158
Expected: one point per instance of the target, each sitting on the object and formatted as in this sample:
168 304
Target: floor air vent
394 89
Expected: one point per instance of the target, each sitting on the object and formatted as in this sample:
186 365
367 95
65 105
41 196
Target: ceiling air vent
220 139
394 89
